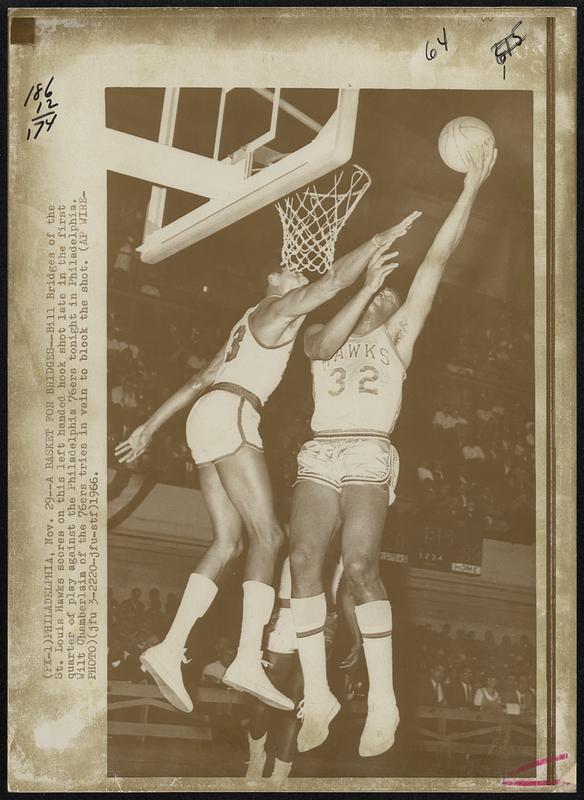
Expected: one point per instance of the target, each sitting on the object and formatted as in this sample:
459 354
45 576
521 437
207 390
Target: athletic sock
198 595
281 770
258 602
257 756
309 620
374 620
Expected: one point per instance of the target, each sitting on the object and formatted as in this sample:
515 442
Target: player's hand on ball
481 161
389 236
134 445
380 266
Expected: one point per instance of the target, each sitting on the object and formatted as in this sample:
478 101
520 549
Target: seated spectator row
458 670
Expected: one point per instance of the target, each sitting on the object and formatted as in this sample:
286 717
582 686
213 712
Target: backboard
261 146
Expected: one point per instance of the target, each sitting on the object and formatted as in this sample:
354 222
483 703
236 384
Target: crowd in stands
464 670
445 669
478 468
133 627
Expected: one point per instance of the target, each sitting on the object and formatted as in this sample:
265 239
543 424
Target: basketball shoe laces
300 710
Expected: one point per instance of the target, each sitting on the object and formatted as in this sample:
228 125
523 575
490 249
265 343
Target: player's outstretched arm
321 342
406 324
343 273
139 440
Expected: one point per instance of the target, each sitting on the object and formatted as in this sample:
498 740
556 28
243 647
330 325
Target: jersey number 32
370 376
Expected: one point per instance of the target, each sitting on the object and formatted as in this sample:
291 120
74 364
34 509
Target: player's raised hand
134 445
380 266
481 161
389 236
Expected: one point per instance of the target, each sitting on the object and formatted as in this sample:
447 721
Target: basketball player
222 432
347 473
278 729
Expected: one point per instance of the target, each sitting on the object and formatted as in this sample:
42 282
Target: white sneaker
379 732
316 715
248 676
163 662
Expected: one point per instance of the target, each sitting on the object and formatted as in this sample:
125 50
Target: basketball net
311 222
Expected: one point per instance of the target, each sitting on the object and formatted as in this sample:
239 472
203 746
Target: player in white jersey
347 473
222 431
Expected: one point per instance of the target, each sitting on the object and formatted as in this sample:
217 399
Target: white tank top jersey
249 363
359 389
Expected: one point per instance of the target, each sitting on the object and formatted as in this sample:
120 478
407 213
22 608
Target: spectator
526 694
443 419
431 689
424 472
214 672
460 692
133 607
510 692
153 617
487 696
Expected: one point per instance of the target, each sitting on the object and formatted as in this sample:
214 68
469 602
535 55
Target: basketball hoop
311 222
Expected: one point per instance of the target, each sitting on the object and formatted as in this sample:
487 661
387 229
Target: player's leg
287 724
281 644
227 543
256 738
245 478
347 603
364 513
164 660
315 519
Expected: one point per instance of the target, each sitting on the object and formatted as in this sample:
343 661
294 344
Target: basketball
458 136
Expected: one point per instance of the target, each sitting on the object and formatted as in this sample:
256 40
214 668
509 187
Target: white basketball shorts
337 460
220 423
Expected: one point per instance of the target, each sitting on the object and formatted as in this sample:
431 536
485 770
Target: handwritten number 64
432 52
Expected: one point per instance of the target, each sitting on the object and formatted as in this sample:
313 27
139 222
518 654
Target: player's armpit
311 339
403 328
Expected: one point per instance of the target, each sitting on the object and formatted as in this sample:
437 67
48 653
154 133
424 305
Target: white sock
281 770
374 620
309 620
257 756
258 602
197 597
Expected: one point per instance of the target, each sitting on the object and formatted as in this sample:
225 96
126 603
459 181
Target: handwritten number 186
432 53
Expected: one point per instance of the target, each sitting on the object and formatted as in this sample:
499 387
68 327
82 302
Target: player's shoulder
267 306
262 310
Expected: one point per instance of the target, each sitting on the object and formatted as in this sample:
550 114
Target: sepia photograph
292 395
321 493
